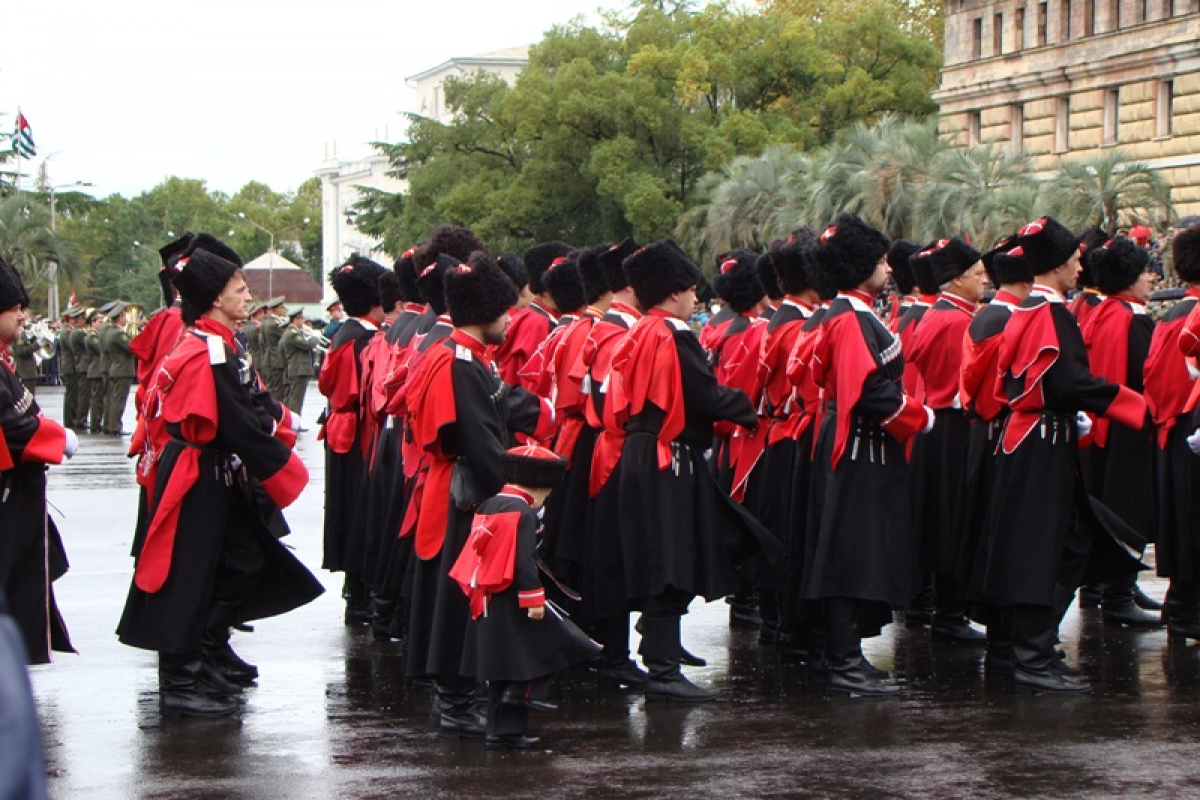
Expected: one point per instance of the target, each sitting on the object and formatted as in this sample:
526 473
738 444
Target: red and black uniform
858 551
1118 465
384 567
600 572
986 411
460 416
1043 536
900 306
349 432
528 328
935 349
498 571
207 560
904 329
780 481
1168 384
1084 303
31 550
735 359
680 535
562 383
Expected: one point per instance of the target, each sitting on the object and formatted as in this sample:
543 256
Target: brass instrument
44 337
133 319
314 336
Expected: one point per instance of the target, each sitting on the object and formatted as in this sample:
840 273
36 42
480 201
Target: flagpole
17 150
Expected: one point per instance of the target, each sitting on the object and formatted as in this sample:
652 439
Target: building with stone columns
1064 78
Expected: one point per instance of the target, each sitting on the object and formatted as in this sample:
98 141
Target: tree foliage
116 239
902 177
610 130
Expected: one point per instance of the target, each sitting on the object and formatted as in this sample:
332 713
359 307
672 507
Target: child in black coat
515 641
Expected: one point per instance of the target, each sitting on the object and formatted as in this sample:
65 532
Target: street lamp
271 249
52 267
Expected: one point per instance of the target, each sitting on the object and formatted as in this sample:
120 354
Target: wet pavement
333 717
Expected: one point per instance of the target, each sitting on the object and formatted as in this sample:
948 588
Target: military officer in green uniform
122 369
273 368
68 361
27 366
83 365
296 352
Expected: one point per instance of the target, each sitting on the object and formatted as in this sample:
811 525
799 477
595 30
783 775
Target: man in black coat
1044 534
680 535
206 560
31 552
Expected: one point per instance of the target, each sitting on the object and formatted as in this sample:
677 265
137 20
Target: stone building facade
1064 78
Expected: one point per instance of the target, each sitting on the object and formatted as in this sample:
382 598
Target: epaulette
678 324
463 353
216 349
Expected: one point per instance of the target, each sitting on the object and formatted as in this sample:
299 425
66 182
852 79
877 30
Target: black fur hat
659 270
171 251
431 282
538 259
1047 244
611 261
792 260
945 260
736 280
1010 266
451 240
849 250
406 273
12 288
1089 241
564 281
1185 251
514 268
534 467
357 284
1002 247
595 280
478 292
389 291
768 277
1119 264
897 256
215 246
201 273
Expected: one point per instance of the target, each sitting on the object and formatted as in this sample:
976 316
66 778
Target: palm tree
1111 191
955 200
27 242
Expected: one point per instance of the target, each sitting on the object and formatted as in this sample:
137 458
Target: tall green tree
610 130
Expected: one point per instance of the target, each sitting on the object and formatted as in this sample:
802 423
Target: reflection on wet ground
333 717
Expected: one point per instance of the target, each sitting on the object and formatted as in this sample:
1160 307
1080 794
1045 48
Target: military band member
272 367
122 369
97 368
296 350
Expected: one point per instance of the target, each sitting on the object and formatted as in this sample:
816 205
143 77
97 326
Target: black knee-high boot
660 651
848 671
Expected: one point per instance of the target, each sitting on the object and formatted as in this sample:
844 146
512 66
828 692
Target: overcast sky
124 93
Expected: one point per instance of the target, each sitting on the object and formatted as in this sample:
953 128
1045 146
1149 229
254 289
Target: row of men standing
855 400
97 368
